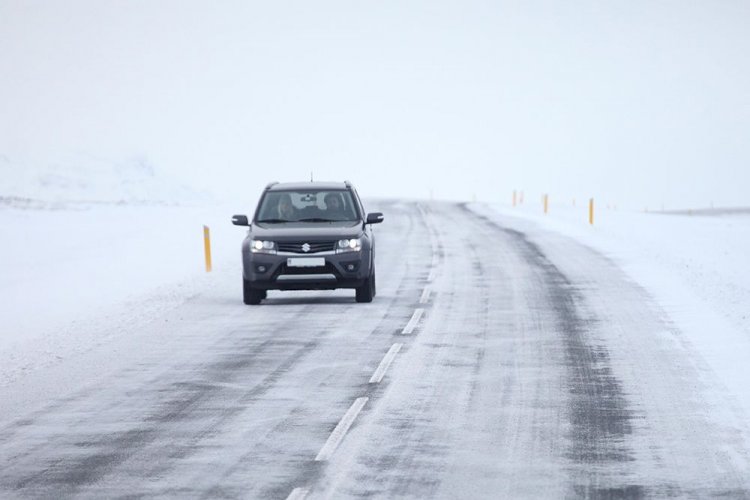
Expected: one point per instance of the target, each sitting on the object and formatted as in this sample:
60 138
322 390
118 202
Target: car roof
299 186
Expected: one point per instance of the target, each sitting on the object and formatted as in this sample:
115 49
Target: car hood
308 232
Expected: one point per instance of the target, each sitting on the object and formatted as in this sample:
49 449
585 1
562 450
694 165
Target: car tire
251 296
366 292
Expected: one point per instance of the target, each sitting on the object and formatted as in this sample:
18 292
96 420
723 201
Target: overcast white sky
635 102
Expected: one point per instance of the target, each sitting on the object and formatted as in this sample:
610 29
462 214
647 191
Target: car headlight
350 245
263 246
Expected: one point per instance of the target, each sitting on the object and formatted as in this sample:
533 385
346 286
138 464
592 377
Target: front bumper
272 272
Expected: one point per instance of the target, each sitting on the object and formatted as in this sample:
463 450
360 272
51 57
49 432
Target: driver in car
285 208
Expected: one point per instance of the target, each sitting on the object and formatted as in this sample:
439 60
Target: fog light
350 267
261 269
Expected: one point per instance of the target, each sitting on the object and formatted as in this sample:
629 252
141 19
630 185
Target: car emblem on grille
306 247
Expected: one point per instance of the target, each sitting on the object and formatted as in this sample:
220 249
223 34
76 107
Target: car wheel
251 296
366 292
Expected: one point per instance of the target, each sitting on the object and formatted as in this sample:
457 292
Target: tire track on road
599 413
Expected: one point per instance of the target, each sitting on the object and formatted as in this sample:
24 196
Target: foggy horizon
638 104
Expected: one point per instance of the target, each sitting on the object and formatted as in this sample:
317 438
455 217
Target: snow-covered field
697 267
68 275
90 247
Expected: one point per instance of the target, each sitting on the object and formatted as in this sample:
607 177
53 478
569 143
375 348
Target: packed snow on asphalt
507 354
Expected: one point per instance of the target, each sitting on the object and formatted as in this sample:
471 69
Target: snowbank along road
493 363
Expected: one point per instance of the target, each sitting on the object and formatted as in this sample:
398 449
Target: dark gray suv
308 236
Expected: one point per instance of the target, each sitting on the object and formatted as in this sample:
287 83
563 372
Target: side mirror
374 218
240 220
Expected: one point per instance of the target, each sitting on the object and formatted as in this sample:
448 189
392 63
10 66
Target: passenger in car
334 206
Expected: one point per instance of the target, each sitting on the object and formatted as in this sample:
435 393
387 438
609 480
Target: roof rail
270 184
348 184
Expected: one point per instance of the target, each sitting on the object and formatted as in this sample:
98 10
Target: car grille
315 246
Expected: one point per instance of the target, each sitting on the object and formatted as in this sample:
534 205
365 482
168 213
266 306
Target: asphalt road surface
496 361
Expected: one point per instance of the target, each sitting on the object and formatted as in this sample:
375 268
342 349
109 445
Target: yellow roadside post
207 247
591 211
546 203
514 197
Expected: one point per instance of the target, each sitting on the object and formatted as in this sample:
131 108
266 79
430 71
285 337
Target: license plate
306 262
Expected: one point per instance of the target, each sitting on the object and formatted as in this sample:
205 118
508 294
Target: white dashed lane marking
413 322
383 367
298 494
340 431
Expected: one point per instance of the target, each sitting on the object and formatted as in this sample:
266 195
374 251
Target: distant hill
89 179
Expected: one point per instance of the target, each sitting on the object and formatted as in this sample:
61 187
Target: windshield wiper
273 221
317 219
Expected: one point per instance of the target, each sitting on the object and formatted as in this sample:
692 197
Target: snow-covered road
495 362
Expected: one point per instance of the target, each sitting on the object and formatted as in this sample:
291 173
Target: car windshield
309 205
